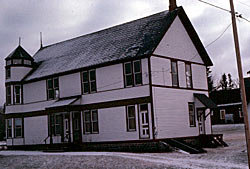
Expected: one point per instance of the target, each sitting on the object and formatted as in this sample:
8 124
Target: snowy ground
233 156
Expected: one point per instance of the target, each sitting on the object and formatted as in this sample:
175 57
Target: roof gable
19 53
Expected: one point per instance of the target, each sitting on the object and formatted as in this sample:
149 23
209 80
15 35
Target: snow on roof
132 39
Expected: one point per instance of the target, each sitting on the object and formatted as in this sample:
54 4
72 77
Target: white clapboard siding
113 126
176 43
120 94
35 129
161 71
199 76
70 85
34 92
171 112
18 73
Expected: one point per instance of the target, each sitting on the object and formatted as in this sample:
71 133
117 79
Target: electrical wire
243 3
215 6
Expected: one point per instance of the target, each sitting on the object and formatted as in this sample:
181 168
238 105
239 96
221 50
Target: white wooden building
141 80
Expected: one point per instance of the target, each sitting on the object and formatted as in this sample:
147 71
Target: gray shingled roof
129 40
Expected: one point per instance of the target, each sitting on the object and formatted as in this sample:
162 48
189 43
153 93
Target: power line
215 6
240 16
243 3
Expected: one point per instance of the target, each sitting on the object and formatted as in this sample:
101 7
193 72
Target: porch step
212 141
182 145
56 148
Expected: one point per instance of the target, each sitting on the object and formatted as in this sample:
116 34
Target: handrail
45 140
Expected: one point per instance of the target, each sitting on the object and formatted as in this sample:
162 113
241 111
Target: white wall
34 92
18 73
171 112
113 126
177 44
35 129
121 94
70 85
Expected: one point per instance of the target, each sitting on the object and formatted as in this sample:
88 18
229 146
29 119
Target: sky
59 20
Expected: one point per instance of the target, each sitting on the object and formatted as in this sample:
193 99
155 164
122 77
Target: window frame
129 129
9 128
54 89
19 95
174 74
88 82
190 77
132 74
223 111
7 73
90 121
191 114
8 95
19 127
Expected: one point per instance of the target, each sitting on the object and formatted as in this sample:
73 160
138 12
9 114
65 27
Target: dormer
18 64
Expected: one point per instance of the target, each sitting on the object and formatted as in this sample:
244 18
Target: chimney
172 5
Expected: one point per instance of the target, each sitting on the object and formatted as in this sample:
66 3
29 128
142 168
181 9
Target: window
8 95
222 114
91 122
131 122
52 88
133 73
192 121
8 73
174 72
18 127
17 61
9 128
17 94
56 124
89 81
188 75
241 113
27 62
8 62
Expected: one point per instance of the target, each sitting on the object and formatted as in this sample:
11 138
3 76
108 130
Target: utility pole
242 85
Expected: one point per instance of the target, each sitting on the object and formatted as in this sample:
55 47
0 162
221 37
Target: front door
144 121
76 124
201 120
66 127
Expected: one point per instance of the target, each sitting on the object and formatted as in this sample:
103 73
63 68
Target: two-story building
144 80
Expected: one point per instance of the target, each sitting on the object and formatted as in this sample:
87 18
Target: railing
45 140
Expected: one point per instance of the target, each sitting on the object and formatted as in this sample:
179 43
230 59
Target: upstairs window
133 73
91 122
27 62
8 62
191 109
8 95
174 72
17 94
222 114
18 127
17 61
8 73
53 88
9 128
131 122
188 75
89 81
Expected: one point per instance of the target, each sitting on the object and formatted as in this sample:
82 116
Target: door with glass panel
76 124
144 121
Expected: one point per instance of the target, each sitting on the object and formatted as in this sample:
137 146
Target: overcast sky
60 20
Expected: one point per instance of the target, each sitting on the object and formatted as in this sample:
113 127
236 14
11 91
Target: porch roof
62 102
205 100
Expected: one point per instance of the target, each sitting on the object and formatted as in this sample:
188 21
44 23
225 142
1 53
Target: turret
18 64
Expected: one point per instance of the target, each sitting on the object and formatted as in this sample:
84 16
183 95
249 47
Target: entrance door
201 120
144 121
76 124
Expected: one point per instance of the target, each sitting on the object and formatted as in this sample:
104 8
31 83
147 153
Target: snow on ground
233 156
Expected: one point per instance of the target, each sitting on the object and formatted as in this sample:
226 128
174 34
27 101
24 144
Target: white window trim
224 112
